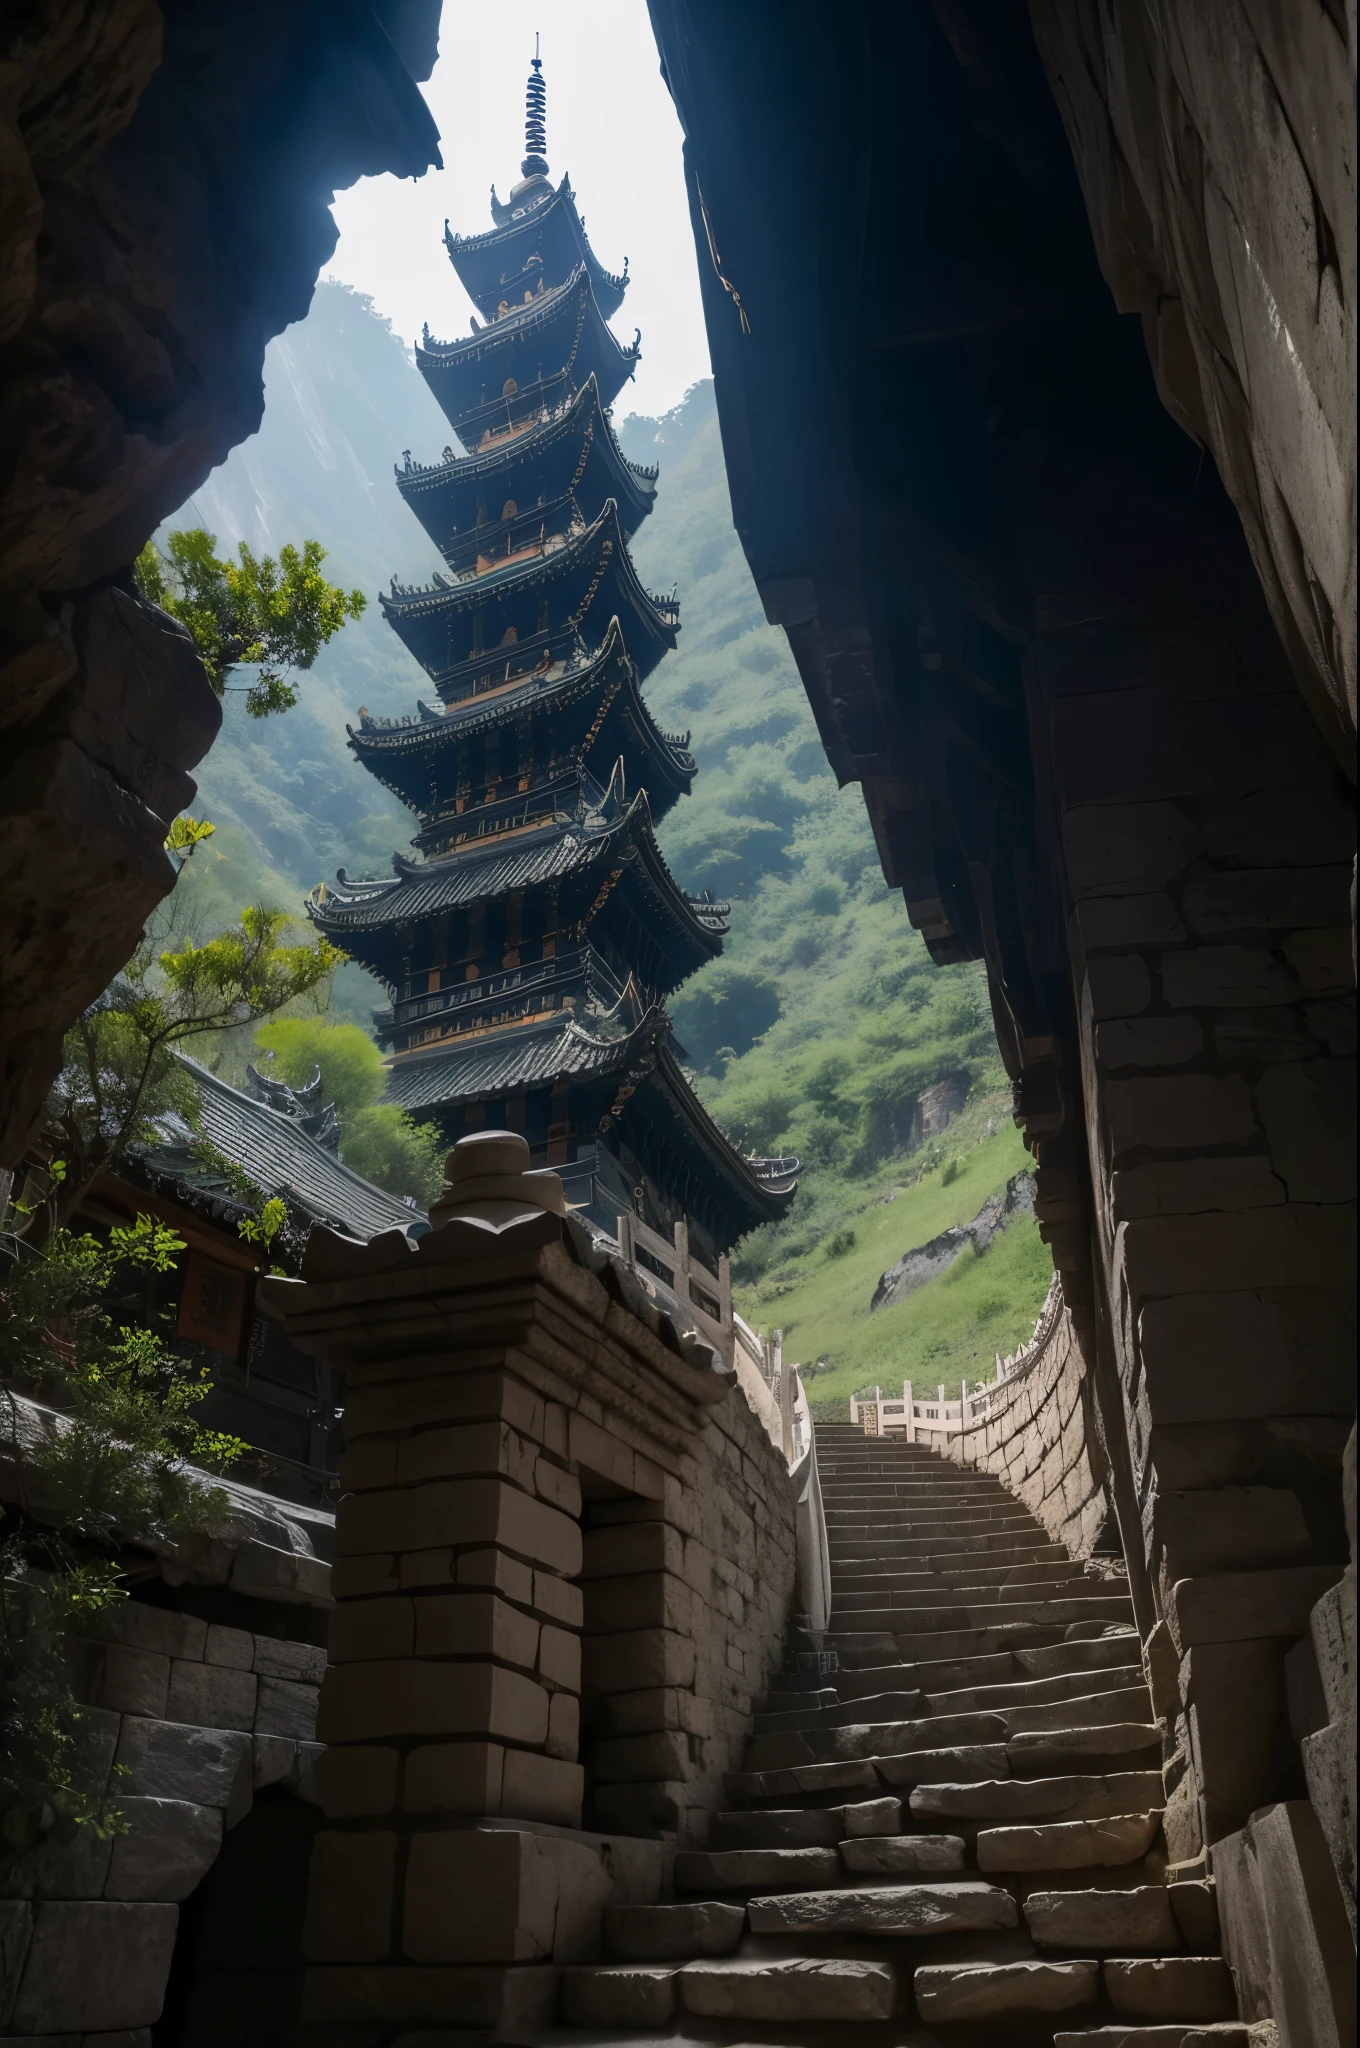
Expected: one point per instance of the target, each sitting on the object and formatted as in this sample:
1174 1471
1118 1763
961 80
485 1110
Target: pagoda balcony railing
493 667
535 974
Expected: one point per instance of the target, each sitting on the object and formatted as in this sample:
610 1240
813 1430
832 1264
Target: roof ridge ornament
535 162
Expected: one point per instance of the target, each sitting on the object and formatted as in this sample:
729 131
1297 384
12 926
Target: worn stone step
911 1909
1037 1692
904 1855
672 1932
790 1702
744 1870
803 1989
950 1674
1083 1710
1171 1987
936 1645
1052 1752
795 1827
618 1995
961 1764
873 1679
870 1739
1139 1919
897 1706
1066 1798
1069 1845
1181 2034
910 1625
955 1992
815 1780
1050 1578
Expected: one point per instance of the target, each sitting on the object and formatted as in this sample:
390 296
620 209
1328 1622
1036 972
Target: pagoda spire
535 120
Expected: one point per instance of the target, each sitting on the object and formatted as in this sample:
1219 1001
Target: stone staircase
954 1835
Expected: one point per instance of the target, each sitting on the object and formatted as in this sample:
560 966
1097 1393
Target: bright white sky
611 125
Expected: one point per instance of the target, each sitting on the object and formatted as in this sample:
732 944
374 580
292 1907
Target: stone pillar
490 1370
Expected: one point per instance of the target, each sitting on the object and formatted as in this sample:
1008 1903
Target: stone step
1083 1710
934 1645
961 1907
914 1622
1185 2034
904 1855
950 1578
882 1546
1138 1919
802 1989
746 1870
1048 1752
869 1739
948 1993
1070 1845
864 1576
1170 1987
1037 1692
1047 1799
672 1933
890 1706
948 1674
793 1827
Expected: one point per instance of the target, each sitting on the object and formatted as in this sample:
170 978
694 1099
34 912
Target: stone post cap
489 1169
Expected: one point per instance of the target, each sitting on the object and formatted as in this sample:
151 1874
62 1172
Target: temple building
531 942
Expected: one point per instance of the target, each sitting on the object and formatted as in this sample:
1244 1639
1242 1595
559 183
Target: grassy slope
824 1018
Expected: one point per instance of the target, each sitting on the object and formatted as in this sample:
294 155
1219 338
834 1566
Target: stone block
1178 1112
1149 918
350 1896
233 1647
1239 1728
364 1629
1148 1042
477 1447
360 1578
284 1708
1286 1938
1194 1906
206 1766
363 1702
960 1992
618 1995
460 1511
492 1571
144 1627
1139 1918
559 1658
1227 1529
132 1681
642 1658
1307 1109
74 1867
211 1696
1190 1186
673 1933
558 1599
737 1870
600 1453
1119 986
943 1908
1323 960
356 1782
168 1847
275 1760
492 1996
1171 1988
560 1489
454 1777
1214 977
641 1600
626 1758
873 1817
1124 845
1259 899
304 1662
799 1989
633 1547
903 1855
475 1625
535 1787
1292 1245
1256 1352
1227 1607
503 1897
445 1398
563 1738
99 1964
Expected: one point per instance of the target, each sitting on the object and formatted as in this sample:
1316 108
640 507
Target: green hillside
824 1019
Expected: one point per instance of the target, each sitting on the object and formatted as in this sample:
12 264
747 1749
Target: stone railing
1033 1426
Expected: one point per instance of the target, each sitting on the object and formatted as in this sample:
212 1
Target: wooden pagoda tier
506 752
509 897
559 592
538 234
597 1089
478 509
520 366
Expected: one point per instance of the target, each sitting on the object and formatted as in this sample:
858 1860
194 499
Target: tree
377 1139
119 1072
275 616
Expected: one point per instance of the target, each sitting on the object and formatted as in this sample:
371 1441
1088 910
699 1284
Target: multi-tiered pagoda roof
530 945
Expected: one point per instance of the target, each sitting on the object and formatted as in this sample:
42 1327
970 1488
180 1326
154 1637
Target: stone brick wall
199 1718
1039 1434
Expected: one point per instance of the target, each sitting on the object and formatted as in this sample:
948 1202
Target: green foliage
255 612
376 1139
839 1243
119 1073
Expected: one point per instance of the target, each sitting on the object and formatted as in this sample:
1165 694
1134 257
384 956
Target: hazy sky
611 125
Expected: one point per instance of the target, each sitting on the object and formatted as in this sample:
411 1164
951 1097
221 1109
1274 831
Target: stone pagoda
531 942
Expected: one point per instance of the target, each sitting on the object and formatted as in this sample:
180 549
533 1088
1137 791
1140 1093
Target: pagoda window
476 935
509 510
509 387
510 636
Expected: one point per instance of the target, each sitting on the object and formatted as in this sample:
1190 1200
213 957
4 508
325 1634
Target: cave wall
165 184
